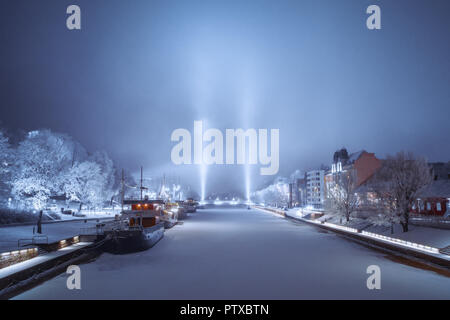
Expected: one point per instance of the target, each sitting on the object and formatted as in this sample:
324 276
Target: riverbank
437 254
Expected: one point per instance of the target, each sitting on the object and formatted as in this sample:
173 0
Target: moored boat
171 214
137 229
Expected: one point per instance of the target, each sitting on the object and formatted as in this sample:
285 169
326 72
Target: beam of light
203 169
247 182
248 110
203 174
202 94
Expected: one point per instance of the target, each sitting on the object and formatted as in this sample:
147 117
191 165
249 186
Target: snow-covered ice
246 254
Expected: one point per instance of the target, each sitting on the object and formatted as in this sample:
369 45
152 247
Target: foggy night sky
140 69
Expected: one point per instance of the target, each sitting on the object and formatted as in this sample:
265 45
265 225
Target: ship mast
123 188
142 188
162 191
141 183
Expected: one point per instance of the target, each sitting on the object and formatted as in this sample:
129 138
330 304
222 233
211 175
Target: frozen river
246 254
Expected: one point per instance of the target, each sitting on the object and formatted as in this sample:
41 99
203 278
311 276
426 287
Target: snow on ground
9 236
438 238
246 254
91 214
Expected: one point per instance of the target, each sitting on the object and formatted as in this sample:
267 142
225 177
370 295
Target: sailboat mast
141 182
123 188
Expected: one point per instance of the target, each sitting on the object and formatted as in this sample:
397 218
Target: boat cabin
145 213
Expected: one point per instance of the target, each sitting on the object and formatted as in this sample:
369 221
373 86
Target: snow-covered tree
341 197
6 160
276 194
84 183
108 172
39 161
383 211
397 184
6 154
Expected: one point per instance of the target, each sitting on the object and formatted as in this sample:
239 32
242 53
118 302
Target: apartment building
315 187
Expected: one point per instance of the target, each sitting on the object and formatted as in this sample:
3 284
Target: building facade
360 165
301 192
434 200
315 188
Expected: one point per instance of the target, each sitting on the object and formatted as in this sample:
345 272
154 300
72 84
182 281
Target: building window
428 206
438 206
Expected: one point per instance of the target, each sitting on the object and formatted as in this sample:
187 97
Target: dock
26 274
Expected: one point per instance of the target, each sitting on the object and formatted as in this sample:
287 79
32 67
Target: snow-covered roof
355 156
437 189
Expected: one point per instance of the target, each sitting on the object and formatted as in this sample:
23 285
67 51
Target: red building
434 200
362 165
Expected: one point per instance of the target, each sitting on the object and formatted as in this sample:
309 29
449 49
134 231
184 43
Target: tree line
45 164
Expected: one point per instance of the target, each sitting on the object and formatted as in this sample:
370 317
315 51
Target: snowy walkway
246 254
21 266
9 236
433 237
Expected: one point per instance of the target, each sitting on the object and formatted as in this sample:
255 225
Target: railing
41 239
336 226
445 250
413 245
427 221
431 220
100 229
91 231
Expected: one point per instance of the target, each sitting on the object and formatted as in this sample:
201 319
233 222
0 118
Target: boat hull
127 241
169 223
